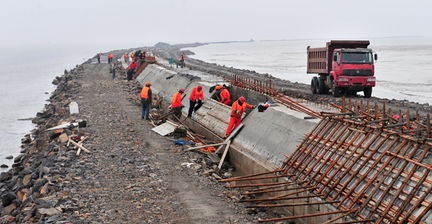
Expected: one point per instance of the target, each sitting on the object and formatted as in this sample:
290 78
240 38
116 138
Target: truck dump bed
319 60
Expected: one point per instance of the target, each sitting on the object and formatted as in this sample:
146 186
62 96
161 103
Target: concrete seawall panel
273 133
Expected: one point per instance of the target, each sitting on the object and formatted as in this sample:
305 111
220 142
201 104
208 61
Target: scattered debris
165 128
73 108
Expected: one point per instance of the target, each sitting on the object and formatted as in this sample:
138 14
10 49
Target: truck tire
335 89
314 83
322 88
367 92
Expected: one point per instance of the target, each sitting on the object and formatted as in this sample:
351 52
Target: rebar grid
372 166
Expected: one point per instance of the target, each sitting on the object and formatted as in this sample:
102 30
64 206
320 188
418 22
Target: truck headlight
343 79
371 79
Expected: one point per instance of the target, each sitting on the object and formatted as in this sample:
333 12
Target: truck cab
352 71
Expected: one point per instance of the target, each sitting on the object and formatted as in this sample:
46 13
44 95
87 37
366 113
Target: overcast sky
143 22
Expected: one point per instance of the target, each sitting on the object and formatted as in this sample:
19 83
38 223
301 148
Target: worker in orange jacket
146 100
195 100
237 109
110 57
217 90
176 103
225 95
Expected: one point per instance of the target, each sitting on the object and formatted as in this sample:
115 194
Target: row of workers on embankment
196 100
138 58
110 57
134 60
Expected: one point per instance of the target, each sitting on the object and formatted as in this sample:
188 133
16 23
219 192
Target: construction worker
126 57
225 96
217 90
138 54
263 107
238 108
171 62
181 61
131 70
146 101
176 103
110 57
98 57
196 99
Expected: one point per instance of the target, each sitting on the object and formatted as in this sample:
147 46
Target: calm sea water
403 69
26 74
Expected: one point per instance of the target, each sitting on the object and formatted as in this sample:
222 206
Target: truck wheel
314 84
322 88
367 92
335 89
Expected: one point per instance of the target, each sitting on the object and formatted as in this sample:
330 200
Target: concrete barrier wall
266 137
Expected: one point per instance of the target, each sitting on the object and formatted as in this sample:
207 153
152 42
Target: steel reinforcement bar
365 163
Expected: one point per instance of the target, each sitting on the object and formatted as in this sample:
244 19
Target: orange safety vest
225 95
110 56
237 110
176 100
195 94
144 92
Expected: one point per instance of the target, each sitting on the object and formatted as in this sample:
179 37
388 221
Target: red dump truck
343 67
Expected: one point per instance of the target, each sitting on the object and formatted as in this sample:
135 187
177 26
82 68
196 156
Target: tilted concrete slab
214 116
274 133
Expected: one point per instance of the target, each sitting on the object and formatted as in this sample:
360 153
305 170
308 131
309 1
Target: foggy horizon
141 23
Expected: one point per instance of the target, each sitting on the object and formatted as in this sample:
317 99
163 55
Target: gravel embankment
132 174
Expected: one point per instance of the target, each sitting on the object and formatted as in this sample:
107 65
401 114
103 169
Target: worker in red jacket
181 61
237 109
225 95
176 103
126 57
131 70
195 100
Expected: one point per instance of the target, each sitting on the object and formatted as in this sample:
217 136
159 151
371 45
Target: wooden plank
224 154
203 146
79 146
